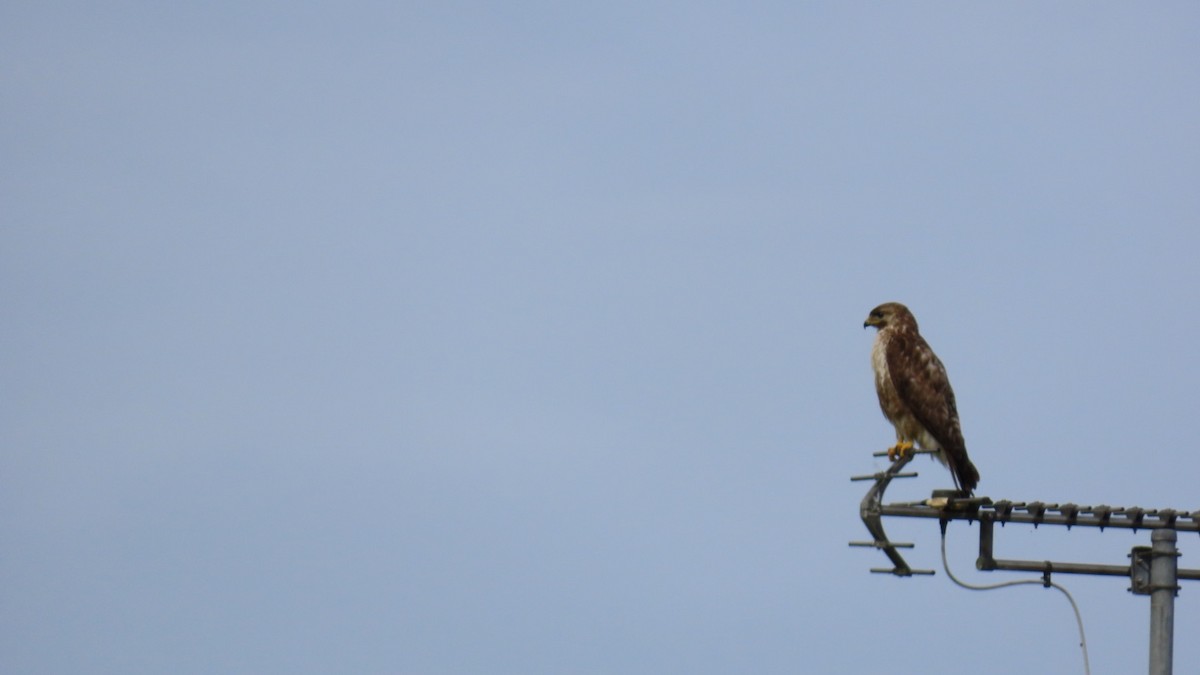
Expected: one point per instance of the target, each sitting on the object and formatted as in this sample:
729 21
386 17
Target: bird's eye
877 314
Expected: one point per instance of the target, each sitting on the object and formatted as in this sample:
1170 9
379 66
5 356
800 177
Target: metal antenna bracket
871 511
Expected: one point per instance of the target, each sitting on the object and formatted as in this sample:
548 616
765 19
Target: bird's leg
897 451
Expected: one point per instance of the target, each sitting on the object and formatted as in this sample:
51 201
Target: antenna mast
1153 570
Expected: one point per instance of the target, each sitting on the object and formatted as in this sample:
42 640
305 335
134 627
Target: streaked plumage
915 394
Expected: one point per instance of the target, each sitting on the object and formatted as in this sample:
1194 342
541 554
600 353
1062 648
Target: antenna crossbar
1152 570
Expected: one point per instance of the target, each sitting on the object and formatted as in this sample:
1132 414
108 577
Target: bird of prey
915 394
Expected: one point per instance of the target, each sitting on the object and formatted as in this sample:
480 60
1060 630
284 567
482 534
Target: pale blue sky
444 338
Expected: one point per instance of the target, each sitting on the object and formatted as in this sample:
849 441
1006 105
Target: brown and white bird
915 394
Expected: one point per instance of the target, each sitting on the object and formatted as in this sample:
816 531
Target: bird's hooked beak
871 321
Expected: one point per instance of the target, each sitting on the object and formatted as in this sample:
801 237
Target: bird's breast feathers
879 360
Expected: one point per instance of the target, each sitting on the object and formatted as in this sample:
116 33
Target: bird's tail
965 474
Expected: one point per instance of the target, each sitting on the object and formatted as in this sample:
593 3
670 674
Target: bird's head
890 315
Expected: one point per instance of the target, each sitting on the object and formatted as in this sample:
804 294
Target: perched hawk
915 394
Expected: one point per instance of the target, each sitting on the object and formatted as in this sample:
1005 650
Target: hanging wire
1087 669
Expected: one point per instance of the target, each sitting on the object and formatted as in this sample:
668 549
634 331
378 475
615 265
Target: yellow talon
897 451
